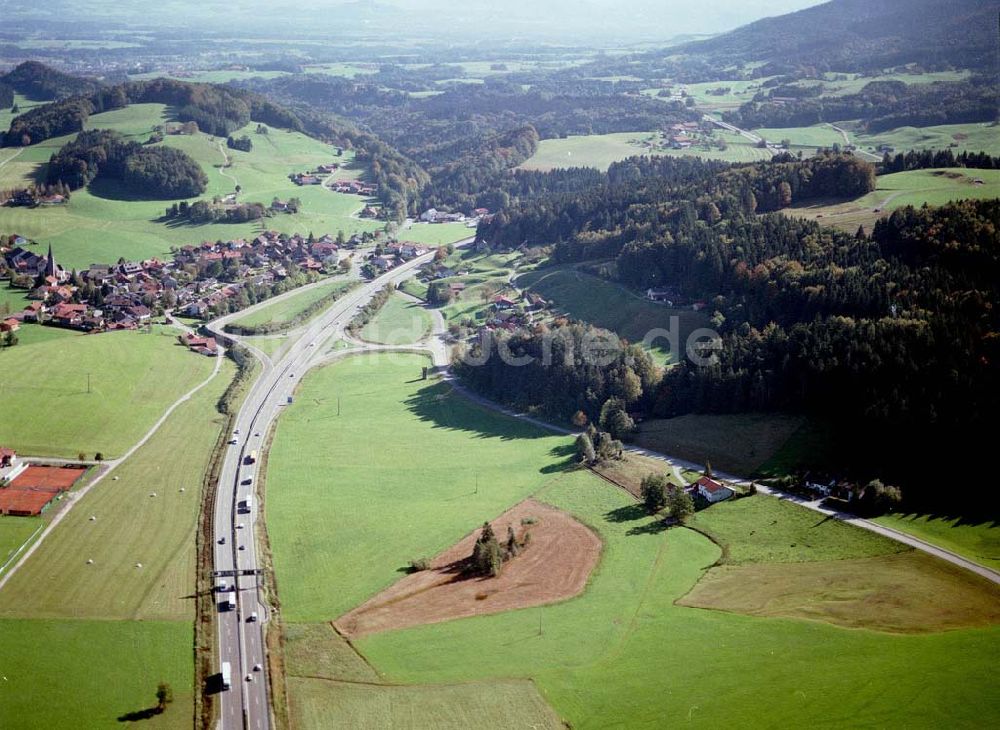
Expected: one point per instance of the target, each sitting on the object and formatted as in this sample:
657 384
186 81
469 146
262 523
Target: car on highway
236 432
249 677
248 480
222 540
233 441
257 435
243 547
257 667
252 617
239 526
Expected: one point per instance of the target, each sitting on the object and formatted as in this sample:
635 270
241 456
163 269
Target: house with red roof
712 491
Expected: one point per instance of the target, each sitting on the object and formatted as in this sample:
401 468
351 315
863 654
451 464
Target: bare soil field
554 567
904 593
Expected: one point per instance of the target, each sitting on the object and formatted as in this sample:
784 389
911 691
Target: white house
10 465
712 491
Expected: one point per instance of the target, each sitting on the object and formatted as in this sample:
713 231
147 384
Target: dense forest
152 172
893 335
6 96
880 105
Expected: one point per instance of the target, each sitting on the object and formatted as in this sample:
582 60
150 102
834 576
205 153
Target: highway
241 631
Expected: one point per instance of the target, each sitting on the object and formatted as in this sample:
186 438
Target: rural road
241 631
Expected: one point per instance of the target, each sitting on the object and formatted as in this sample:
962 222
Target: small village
200 281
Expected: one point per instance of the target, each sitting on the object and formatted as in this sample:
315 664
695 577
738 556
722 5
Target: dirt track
555 566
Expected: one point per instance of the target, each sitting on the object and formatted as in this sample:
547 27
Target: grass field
624 655
456 463
612 306
48 410
436 234
90 674
399 322
131 527
976 540
101 223
286 310
735 443
600 150
959 137
916 187
885 593
821 135
14 531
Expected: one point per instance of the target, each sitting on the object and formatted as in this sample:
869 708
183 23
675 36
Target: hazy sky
567 20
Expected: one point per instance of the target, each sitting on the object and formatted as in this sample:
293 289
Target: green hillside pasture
286 310
977 541
740 92
855 83
399 322
407 469
130 527
916 187
978 137
102 223
624 655
47 410
612 306
89 674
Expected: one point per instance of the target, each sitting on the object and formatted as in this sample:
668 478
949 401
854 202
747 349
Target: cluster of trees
489 555
204 211
38 81
659 493
562 370
153 172
243 144
594 446
267 328
881 105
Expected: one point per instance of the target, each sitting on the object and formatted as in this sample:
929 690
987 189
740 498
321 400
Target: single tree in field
164 696
680 503
654 492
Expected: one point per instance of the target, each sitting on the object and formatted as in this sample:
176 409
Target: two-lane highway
241 630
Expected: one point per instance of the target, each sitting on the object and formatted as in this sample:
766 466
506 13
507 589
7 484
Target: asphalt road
240 637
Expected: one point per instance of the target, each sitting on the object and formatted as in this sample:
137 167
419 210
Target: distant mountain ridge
865 35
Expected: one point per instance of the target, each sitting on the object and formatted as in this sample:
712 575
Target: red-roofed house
711 490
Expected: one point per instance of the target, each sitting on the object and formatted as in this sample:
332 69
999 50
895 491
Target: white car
252 617
249 677
239 526
257 667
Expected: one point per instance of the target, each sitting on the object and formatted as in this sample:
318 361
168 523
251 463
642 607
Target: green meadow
130 527
977 540
103 222
399 322
335 482
958 137
91 674
284 311
600 150
625 655
72 393
14 532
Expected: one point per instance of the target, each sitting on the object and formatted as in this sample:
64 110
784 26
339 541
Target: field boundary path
109 466
847 141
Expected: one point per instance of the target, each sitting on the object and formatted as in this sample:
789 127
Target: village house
711 491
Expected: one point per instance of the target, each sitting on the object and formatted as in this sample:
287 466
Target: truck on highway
251 457
229 604
227 675
246 505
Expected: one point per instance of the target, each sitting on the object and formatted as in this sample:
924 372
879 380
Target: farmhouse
711 490
202 345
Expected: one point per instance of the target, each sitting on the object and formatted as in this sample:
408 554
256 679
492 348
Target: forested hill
217 110
865 35
42 83
891 334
